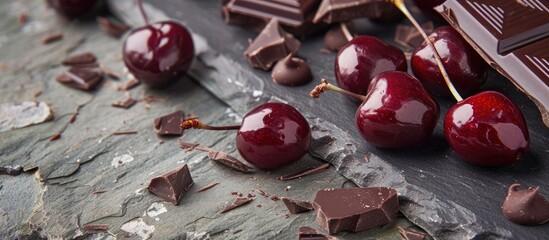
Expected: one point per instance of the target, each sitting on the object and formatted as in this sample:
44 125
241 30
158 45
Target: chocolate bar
512 36
295 15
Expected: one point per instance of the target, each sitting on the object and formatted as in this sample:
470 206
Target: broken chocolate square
169 124
308 233
355 209
297 206
79 59
238 202
80 78
173 185
272 44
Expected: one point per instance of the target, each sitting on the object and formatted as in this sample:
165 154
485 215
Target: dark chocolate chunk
169 124
526 207
11 170
207 187
331 11
297 206
56 36
408 36
129 84
95 227
111 27
126 103
410 234
79 59
272 44
291 71
512 36
173 185
308 233
218 156
295 15
80 78
238 202
339 35
355 209
305 172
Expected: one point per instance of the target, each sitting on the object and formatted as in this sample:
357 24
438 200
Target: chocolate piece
80 78
291 71
526 207
297 206
262 193
512 36
110 73
221 157
238 202
173 185
410 234
95 227
275 198
408 36
207 187
308 233
112 28
124 133
129 84
24 114
56 36
331 11
126 103
272 44
169 124
355 209
11 170
56 136
339 35
295 15
79 59
23 18
305 172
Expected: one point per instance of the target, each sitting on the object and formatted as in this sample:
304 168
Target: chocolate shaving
79 59
297 206
56 136
127 103
56 36
308 233
275 198
207 187
124 133
238 202
305 172
95 227
111 27
262 193
221 157
410 234
11 170
109 72
129 84
23 18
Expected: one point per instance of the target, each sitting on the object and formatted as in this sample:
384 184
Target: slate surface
442 194
89 176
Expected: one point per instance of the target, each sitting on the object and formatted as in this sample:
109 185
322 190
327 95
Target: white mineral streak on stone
121 160
140 191
103 236
138 227
257 93
19 115
156 209
232 114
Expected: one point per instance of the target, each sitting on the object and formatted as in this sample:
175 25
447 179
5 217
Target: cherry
397 112
487 129
158 53
272 135
464 66
71 8
363 58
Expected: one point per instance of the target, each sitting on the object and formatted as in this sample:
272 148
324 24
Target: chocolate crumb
305 172
56 36
258 205
207 187
95 227
124 133
221 157
275 198
410 234
129 84
238 202
262 193
127 103
38 93
56 136
23 18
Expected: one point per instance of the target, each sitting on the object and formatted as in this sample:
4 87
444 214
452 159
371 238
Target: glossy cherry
272 135
397 112
464 66
71 8
158 54
361 59
487 129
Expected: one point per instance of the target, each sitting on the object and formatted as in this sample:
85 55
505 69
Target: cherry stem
402 7
142 10
346 31
196 124
324 85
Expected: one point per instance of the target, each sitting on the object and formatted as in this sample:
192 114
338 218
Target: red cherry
71 8
487 129
363 58
158 54
397 112
464 66
272 135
